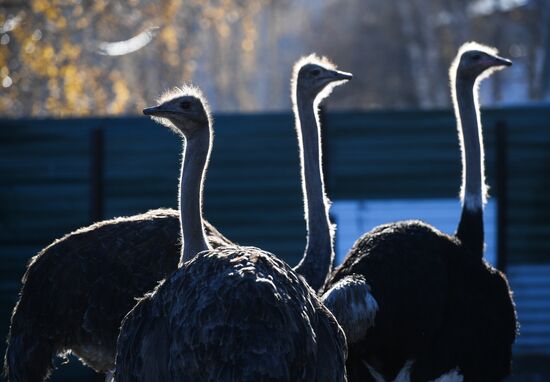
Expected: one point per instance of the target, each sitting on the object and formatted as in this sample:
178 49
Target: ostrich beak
154 110
500 61
338 75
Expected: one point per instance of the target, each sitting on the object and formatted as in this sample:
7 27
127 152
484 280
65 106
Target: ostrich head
476 61
315 77
184 110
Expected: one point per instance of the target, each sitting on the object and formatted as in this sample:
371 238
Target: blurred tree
77 57
110 57
400 50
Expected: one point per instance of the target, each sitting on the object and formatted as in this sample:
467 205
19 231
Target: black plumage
470 230
438 306
232 314
77 290
440 311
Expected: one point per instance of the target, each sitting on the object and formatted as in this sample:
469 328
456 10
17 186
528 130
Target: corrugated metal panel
141 167
44 182
531 286
394 155
255 166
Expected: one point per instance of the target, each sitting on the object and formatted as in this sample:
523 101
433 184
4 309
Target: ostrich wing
353 305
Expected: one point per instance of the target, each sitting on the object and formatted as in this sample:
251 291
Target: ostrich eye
315 72
476 57
185 105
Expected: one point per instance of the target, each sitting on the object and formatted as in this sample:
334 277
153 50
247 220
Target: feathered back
232 314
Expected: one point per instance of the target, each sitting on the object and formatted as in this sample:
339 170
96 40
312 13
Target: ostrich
230 314
423 305
77 290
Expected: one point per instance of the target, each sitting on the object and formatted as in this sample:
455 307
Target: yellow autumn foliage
53 63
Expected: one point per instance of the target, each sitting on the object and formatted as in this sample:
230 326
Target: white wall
355 217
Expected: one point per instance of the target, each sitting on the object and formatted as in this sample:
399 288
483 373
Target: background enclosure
79 170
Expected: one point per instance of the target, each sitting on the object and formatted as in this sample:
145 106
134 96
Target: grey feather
232 314
353 305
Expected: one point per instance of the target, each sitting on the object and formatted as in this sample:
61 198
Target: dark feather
77 290
439 306
232 314
353 305
470 231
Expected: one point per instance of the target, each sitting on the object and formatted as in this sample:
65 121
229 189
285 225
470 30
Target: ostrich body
101 259
230 314
431 307
77 290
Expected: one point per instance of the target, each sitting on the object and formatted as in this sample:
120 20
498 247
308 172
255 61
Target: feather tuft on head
185 90
466 47
311 59
306 60
188 90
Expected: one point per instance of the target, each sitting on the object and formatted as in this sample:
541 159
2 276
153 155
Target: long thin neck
193 168
317 260
470 227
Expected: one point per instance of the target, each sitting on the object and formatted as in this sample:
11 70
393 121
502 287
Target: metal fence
58 175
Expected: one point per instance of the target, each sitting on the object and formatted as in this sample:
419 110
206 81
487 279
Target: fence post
96 174
501 154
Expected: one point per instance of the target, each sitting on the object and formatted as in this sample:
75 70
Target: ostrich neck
472 178
316 262
193 168
470 229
